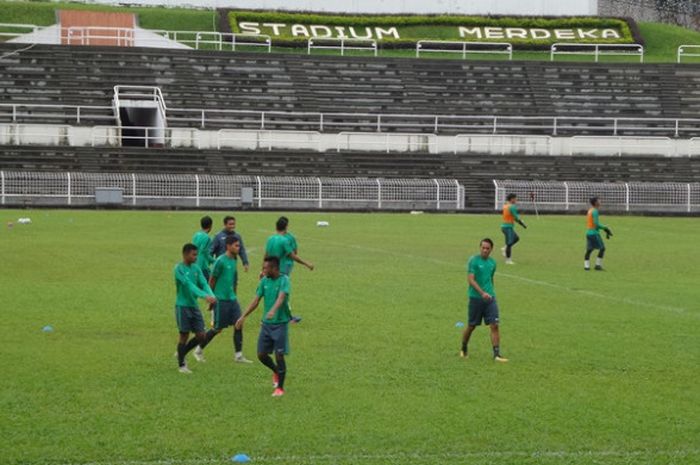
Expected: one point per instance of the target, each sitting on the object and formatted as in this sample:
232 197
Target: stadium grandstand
106 100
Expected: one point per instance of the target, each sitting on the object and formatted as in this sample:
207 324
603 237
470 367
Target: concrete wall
484 7
26 134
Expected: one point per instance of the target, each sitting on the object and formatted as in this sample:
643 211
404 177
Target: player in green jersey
203 242
281 247
482 299
593 239
190 285
274 289
227 310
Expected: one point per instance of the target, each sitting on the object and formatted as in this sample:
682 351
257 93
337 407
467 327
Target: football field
604 366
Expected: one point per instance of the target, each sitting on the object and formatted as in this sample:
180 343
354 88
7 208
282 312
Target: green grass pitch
603 366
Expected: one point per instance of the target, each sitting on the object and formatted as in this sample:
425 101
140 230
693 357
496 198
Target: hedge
624 25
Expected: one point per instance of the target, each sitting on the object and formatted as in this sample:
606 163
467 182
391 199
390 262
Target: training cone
47 329
459 324
240 458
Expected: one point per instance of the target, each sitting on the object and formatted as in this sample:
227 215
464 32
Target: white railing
670 197
375 122
386 141
597 50
339 43
503 144
151 136
257 139
682 52
220 39
499 48
22 188
616 145
23 29
98 35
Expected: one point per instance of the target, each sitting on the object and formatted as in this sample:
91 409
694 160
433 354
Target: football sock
281 370
238 340
191 344
208 337
496 351
508 249
181 354
587 264
267 361
599 261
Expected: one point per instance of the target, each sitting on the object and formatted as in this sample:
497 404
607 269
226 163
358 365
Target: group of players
209 271
482 267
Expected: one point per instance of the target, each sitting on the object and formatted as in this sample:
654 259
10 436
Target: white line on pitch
537 282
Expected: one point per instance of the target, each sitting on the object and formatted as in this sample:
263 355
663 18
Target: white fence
22 188
365 122
668 197
597 50
683 52
463 48
342 44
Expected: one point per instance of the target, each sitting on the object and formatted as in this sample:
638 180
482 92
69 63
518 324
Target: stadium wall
486 7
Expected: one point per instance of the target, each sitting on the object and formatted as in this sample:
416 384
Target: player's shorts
189 319
226 313
480 309
511 236
273 338
594 241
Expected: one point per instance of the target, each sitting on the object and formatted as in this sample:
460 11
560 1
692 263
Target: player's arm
278 303
251 308
298 259
599 225
243 254
204 285
477 288
183 279
516 216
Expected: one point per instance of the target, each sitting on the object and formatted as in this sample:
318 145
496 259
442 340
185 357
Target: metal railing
375 122
151 136
517 144
98 35
411 142
670 197
339 43
267 138
597 50
619 146
682 52
26 188
30 27
500 48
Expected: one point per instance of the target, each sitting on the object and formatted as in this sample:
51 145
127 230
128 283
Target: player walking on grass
510 217
226 310
482 299
274 289
203 242
286 252
190 285
218 246
593 239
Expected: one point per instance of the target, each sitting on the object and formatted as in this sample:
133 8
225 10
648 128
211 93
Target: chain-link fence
21 188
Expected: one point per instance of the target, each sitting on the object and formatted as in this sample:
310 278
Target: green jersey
483 271
190 285
279 246
292 240
224 271
203 242
593 222
269 289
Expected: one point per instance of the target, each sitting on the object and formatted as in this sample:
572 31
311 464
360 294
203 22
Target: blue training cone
240 458
47 329
459 324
